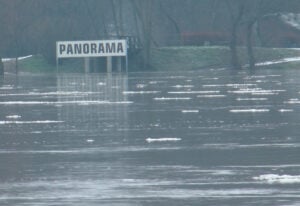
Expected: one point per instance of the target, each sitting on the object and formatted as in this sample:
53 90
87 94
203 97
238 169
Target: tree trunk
235 63
17 65
172 21
114 11
250 52
213 17
143 9
1 67
236 21
120 17
147 30
92 18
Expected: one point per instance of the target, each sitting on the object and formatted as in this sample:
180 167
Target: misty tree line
33 26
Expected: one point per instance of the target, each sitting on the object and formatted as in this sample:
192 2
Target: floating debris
30 122
190 111
249 110
282 179
195 92
13 117
171 98
252 99
285 110
164 139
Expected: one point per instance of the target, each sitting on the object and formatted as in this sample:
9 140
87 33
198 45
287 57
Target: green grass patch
190 58
38 64
187 58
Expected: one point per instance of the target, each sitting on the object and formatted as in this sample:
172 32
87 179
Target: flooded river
210 137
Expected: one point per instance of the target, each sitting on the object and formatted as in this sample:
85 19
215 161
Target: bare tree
143 12
164 9
117 10
246 14
236 10
256 11
1 67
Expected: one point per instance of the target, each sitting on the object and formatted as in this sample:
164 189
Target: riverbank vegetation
161 28
38 64
177 58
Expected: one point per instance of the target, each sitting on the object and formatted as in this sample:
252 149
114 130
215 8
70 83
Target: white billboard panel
97 48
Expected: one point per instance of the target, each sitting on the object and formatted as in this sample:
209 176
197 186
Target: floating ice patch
6 87
171 98
257 92
190 111
141 92
281 179
240 85
140 86
36 132
30 122
285 110
214 78
90 140
223 172
164 139
183 86
274 75
249 110
211 96
252 99
292 101
194 92
61 93
177 77
120 102
256 77
278 145
221 146
230 146
28 103
213 85
62 102
155 125
156 82
13 117
101 83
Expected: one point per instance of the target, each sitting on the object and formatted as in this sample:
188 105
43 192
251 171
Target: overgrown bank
190 58
171 58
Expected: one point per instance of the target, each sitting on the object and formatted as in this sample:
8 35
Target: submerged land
173 59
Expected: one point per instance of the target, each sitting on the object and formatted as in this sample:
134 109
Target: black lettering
77 48
101 48
110 48
62 48
120 48
69 49
86 48
93 48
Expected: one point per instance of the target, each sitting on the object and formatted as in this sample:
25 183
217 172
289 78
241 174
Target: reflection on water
94 101
199 138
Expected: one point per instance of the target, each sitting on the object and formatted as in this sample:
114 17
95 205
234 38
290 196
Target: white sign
103 48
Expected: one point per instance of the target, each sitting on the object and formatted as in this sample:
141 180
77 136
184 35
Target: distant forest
33 26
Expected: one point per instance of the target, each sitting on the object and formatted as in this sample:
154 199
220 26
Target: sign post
96 48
